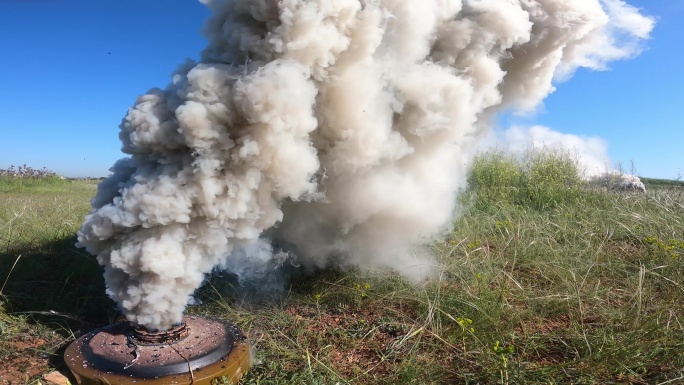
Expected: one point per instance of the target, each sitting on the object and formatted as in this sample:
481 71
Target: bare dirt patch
359 341
23 360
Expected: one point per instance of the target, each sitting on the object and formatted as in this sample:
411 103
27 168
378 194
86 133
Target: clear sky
70 69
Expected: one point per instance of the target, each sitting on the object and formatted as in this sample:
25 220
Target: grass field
542 281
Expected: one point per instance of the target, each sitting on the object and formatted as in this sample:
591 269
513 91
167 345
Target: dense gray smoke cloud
338 128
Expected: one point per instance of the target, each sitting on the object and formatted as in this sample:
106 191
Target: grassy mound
540 179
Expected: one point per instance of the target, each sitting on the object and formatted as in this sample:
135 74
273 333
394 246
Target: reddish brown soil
375 342
23 362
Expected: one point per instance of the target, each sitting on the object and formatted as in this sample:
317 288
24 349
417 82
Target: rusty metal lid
124 350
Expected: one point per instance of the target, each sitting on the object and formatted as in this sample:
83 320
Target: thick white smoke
338 128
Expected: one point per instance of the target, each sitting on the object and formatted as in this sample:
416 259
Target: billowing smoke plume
338 129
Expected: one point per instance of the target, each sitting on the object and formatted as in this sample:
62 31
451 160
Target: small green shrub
494 176
550 177
541 178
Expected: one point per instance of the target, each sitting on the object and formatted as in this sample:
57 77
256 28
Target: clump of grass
540 178
550 177
496 176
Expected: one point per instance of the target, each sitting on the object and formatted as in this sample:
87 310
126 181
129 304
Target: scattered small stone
56 378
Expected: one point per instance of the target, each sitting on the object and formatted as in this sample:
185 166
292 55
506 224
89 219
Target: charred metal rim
173 335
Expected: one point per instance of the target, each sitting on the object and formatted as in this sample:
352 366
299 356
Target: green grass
48 289
539 179
48 185
658 183
550 283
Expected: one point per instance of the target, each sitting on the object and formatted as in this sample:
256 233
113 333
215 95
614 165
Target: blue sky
70 69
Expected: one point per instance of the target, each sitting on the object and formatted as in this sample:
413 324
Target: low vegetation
27 172
541 281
